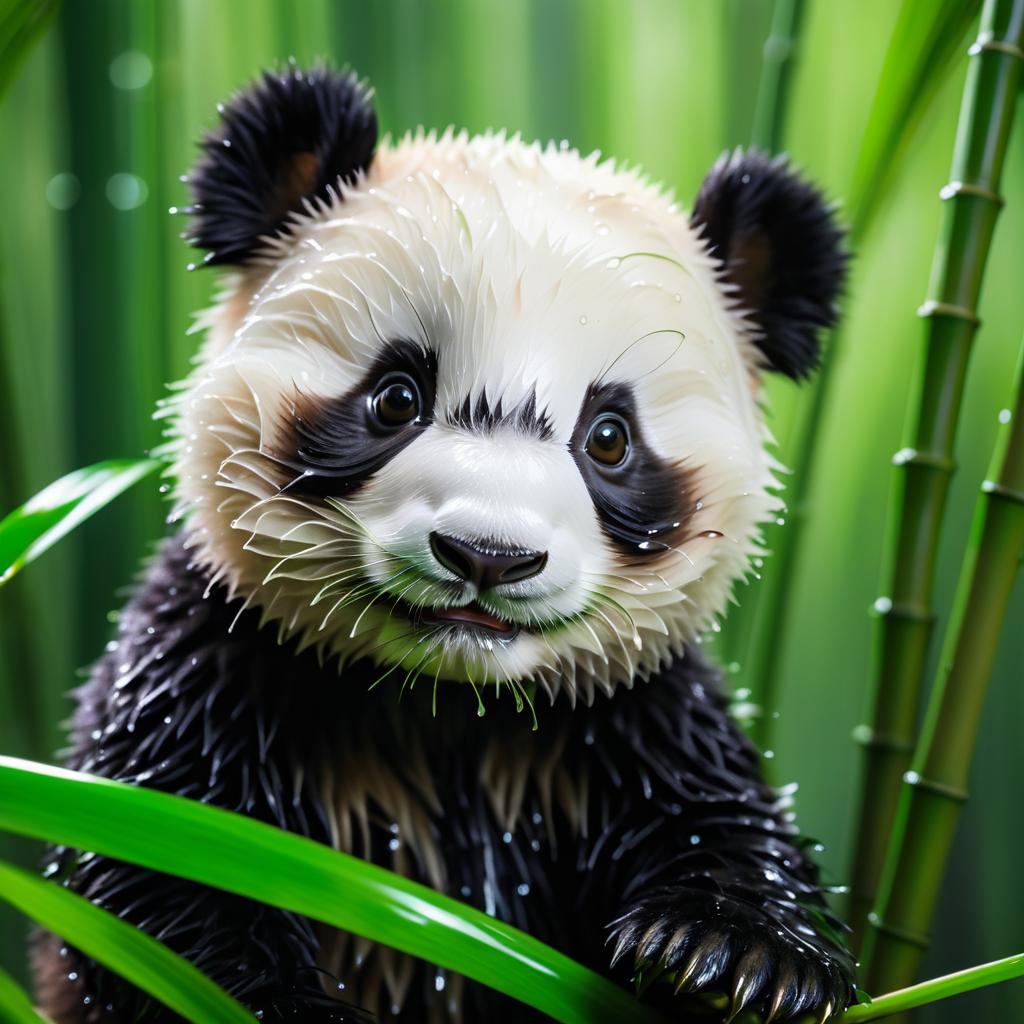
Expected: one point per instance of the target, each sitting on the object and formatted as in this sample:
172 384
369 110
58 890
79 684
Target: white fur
524 269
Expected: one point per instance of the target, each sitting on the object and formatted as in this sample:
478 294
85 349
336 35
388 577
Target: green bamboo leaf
925 40
58 509
231 852
971 205
15 1005
130 952
994 973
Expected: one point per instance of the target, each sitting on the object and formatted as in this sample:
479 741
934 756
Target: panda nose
485 566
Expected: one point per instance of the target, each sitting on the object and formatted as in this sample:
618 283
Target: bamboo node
988 41
914 779
886 607
867 736
927 460
933 308
998 490
956 188
900 934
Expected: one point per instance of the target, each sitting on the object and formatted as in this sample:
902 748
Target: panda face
483 414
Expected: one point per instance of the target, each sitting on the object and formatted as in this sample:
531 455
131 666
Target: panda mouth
470 616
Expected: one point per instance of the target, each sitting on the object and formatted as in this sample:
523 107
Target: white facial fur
524 270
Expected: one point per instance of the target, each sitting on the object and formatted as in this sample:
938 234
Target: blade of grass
234 853
925 468
994 973
934 790
56 510
130 952
15 1005
922 48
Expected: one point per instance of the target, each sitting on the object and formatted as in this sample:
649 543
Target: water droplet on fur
769 754
506 837
883 605
72 975
583 321
694 840
394 844
602 229
465 892
677 297
523 889
712 534
439 982
614 263
1005 415
698 505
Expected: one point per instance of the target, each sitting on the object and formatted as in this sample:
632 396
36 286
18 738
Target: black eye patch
644 502
334 445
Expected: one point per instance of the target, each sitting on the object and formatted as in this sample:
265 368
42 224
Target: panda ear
284 140
781 250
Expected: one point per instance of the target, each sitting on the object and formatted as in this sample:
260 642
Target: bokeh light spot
126 191
131 70
63 190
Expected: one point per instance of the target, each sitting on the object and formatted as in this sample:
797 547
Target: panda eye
608 441
396 401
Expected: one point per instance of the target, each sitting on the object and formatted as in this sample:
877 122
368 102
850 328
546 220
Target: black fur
645 503
286 139
524 416
780 248
683 861
335 445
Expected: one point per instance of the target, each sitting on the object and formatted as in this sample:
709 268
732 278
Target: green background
95 306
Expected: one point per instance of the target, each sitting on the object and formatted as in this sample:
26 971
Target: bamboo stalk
915 62
925 467
780 52
935 788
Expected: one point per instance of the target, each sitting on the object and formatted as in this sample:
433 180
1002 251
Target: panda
471 457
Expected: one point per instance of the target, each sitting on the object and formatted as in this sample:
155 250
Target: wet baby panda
472 455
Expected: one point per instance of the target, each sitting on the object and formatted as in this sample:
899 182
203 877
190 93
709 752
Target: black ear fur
780 248
286 138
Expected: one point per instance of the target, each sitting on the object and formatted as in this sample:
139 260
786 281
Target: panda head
481 410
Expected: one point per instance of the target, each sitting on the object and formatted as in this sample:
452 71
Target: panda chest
479 825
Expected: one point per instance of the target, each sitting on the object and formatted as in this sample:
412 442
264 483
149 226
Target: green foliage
94 304
129 951
228 851
15 1004
52 514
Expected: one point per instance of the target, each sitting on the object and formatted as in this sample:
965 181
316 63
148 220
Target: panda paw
728 957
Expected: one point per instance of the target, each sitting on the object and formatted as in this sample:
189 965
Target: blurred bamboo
934 790
917 59
781 49
925 467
